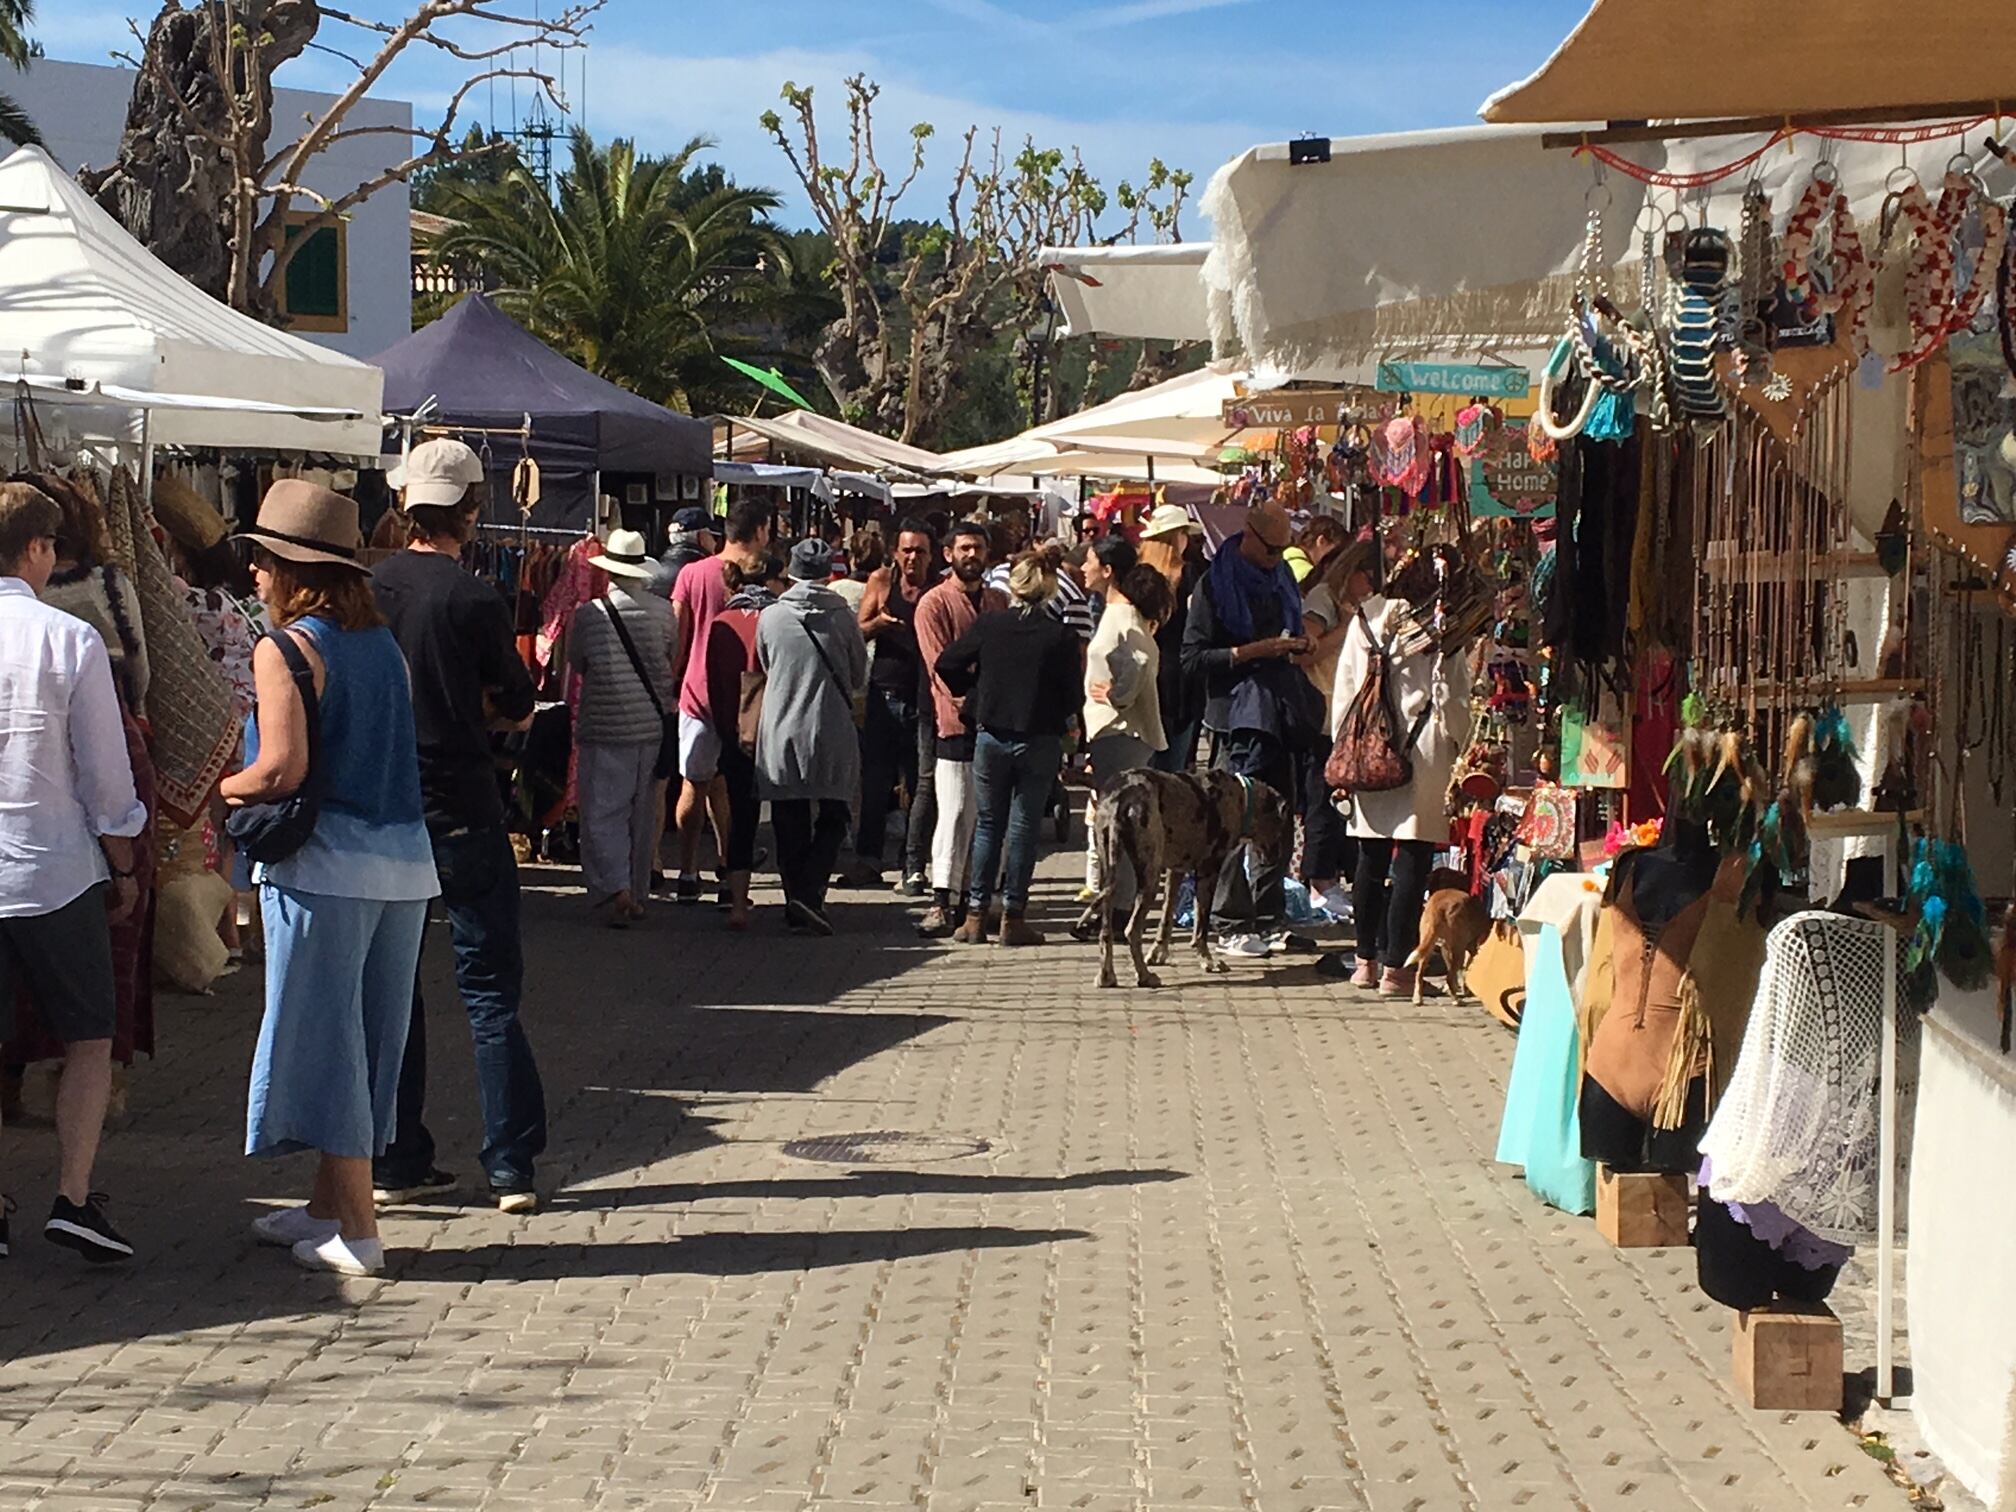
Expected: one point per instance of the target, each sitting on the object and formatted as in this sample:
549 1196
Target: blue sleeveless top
371 839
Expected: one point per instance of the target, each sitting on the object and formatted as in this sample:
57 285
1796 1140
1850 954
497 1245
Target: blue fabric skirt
339 996
1542 1129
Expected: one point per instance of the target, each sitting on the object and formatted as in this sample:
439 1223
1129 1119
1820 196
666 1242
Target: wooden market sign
1452 378
1508 481
1289 409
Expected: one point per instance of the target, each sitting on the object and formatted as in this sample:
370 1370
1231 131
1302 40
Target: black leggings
1389 918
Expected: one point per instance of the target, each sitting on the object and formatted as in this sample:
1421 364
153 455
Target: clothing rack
549 532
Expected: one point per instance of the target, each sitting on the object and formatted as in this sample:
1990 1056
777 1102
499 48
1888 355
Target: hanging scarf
1236 583
1798 1125
191 733
1400 456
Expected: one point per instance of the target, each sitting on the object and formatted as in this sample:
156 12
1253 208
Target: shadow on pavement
855 1184
707 1254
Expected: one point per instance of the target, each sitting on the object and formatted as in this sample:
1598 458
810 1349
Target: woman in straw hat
621 647
345 912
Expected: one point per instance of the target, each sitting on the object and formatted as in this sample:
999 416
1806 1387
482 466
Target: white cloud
1144 10
662 100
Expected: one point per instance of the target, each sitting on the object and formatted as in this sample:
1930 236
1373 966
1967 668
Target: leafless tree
197 178
916 306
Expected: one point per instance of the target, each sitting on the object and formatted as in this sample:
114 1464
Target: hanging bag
1370 754
668 739
749 709
271 832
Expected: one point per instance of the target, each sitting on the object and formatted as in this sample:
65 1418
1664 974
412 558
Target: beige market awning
1654 60
805 434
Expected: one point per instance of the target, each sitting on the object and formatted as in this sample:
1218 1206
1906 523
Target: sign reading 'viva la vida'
1452 378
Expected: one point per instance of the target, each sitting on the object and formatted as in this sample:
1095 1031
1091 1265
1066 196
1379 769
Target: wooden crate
1641 1210
1787 1358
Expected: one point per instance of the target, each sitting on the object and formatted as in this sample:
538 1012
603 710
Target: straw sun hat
305 522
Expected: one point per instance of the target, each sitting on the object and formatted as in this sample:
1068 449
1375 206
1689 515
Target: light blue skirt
339 997
1542 1130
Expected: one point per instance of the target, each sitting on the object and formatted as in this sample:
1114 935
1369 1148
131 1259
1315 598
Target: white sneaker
290 1226
1336 902
1250 946
346 1257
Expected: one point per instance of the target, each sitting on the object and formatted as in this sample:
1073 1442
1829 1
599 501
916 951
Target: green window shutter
315 275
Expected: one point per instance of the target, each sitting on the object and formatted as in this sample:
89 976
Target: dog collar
1246 814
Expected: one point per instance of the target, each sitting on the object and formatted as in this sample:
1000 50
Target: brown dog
1455 923
1168 824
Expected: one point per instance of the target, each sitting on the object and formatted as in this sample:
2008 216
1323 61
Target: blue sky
1191 81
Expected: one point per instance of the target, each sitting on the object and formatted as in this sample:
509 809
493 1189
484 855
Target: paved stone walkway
1236 1246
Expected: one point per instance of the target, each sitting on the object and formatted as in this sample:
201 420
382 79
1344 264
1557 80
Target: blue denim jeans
1011 790
479 895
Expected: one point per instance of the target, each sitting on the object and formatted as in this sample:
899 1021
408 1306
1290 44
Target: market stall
478 374
104 333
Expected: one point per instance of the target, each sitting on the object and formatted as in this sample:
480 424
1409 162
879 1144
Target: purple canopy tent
488 372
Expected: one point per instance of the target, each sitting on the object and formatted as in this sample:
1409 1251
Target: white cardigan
1124 653
1428 680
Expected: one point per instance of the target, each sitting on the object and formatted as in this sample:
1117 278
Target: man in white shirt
68 813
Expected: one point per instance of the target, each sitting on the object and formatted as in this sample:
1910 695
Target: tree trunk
175 190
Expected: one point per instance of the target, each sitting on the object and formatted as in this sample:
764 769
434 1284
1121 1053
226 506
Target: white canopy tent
84 305
1142 292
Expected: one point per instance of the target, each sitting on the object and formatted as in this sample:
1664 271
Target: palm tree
643 270
17 49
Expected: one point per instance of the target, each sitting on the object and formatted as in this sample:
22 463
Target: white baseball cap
437 472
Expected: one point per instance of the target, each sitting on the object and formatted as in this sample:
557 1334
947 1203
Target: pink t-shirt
698 594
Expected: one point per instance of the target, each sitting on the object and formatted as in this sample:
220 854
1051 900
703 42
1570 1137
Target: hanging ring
1899 179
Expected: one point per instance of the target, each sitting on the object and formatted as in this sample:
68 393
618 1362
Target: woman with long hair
344 912
1020 673
1123 706
1330 599
1167 541
731 652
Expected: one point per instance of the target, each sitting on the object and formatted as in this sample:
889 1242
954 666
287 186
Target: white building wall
80 109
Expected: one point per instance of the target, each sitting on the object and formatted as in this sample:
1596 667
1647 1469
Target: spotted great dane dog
1168 824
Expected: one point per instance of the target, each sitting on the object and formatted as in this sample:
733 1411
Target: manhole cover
885 1147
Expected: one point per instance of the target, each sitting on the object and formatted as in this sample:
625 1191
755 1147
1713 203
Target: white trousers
619 818
952 837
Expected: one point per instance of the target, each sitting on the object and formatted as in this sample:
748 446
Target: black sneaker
83 1228
688 890
433 1184
6 1207
806 918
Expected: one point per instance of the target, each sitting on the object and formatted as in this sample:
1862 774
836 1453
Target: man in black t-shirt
467 680
890 750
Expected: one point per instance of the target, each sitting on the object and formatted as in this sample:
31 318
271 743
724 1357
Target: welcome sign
1452 378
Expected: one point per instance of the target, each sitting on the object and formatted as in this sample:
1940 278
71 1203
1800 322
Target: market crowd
945 674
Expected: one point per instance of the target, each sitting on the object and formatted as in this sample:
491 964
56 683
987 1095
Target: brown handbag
749 709
1370 754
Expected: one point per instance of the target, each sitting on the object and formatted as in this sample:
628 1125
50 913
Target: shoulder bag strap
311 704
846 693
630 650
1385 655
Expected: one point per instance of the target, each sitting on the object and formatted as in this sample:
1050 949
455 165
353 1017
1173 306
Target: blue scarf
1236 583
